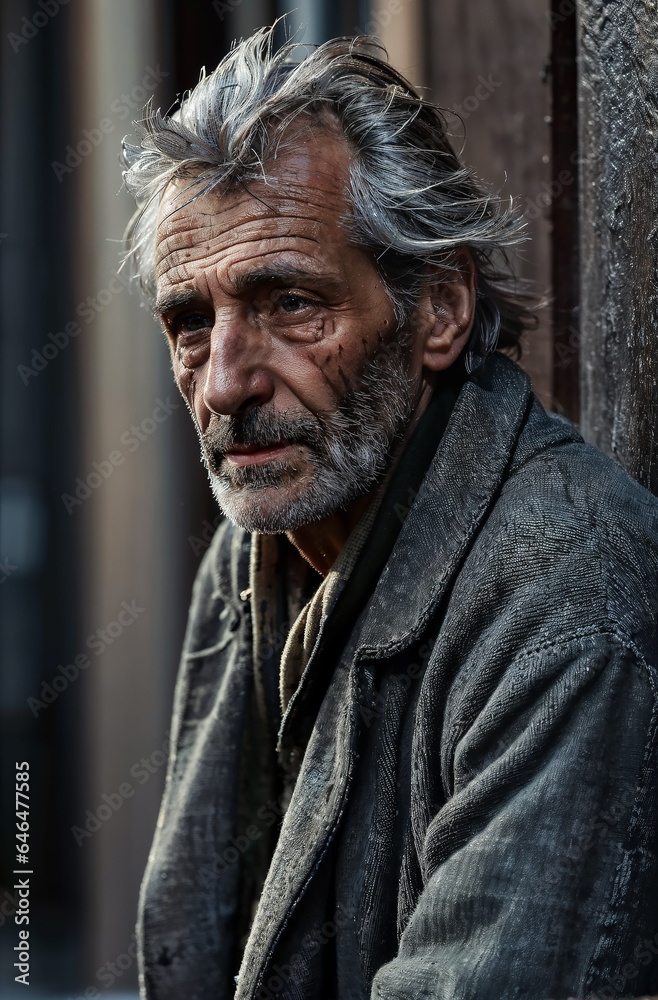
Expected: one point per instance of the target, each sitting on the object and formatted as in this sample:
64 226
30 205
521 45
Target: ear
451 299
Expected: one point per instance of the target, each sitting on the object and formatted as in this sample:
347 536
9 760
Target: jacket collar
458 490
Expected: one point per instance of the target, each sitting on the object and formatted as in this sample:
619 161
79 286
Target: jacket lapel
309 824
458 490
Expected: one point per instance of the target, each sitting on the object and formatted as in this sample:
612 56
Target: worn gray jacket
475 816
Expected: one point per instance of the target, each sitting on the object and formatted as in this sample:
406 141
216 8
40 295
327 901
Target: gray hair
412 203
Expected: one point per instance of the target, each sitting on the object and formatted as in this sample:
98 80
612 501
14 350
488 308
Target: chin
274 510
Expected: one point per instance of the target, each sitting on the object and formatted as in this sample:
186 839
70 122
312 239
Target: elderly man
414 729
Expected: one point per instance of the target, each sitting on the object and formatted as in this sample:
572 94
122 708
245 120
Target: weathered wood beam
564 209
618 140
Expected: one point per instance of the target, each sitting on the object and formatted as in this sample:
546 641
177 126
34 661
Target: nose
237 377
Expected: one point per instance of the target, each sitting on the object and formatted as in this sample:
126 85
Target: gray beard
346 451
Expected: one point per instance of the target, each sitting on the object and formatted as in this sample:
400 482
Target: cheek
340 360
307 375
320 373
190 382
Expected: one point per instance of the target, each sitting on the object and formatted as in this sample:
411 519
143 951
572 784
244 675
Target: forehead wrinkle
276 263
277 226
218 222
282 202
270 267
306 173
332 195
200 234
181 254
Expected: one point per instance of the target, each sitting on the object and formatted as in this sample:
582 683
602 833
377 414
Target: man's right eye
191 323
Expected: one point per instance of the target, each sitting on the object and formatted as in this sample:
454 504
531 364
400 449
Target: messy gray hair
412 203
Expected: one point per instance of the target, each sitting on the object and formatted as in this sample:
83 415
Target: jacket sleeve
538 870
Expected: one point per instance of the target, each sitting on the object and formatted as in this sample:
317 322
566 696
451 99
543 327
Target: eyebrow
273 273
175 299
262 275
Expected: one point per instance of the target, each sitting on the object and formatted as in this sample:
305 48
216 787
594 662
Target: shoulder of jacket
541 431
556 477
550 453
570 538
569 543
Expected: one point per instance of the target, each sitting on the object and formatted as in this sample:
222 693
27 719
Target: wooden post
618 125
564 209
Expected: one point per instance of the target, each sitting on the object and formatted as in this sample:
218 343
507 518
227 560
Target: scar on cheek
343 378
333 383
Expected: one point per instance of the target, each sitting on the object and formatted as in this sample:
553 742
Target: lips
255 454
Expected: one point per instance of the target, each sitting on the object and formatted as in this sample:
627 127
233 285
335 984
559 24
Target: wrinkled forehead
305 189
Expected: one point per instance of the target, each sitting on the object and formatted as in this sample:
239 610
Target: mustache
258 429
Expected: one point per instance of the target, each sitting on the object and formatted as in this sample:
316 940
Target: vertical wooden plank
618 42
564 186
488 62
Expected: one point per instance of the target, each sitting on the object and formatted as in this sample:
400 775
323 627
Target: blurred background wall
105 510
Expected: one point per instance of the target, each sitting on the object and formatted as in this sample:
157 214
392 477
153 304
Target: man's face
284 341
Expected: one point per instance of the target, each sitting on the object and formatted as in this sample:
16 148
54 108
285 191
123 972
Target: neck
321 542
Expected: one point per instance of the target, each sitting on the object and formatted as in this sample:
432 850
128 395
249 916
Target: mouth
255 454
